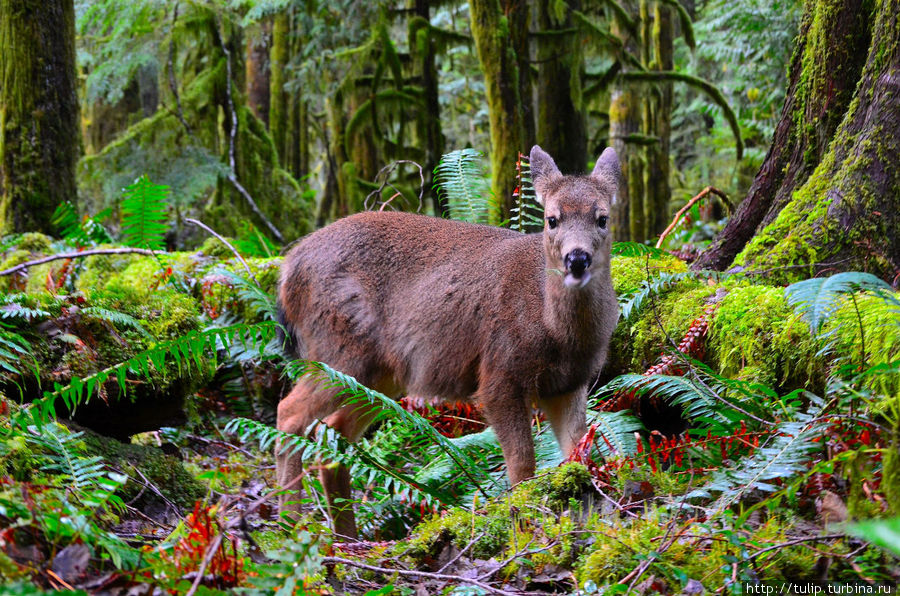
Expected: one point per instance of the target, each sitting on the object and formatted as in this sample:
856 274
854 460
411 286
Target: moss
35 242
213 247
629 272
755 336
13 283
460 527
162 471
676 309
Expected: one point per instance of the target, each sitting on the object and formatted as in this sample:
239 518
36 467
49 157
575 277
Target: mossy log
828 192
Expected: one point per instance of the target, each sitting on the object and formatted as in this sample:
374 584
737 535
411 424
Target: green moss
35 242
676 309
162 471
13 283
629 272
213 247
755 336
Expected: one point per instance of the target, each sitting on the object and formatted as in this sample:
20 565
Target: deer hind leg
351 421
308 401
508 412
567 416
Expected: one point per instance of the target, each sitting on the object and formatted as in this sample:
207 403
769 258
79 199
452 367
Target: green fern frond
114 317
144 214
785 455
632 303
686 392
356 393
327 443
250 293
526 214
636 249
81 231
14 310
615 432
460 181
816 299
191 347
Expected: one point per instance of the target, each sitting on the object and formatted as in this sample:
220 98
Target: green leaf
144 214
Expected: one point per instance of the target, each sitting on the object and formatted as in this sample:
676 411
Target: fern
615 432
114 317
636 249
460 181
816 299
681 391
14 349
526 213
183 350
631 304
786 455
249 292
327 443
355 393
84 231
144 214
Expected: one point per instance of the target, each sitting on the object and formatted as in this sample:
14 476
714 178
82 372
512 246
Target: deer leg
509 414
567 416
351 421
306 402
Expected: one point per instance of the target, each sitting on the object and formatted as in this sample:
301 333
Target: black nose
577 262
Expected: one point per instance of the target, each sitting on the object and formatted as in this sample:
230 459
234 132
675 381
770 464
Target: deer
455 311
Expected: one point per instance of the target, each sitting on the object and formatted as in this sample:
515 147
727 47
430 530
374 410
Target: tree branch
75 255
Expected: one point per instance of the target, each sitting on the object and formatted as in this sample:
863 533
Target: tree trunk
499 63
833 43
39 123
561 128
278 104
423 46
658 124
258 70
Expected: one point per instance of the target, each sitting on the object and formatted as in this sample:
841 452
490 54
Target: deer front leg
567 415
508 413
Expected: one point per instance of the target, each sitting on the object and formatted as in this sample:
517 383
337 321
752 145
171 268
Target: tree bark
278 104
258 70
423 46
833 43
40 140
499 63
561 122
846 216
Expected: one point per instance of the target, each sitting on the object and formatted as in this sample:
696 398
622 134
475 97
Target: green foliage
526 213
184 350
817 299
144 218
883 532
83 232
461 182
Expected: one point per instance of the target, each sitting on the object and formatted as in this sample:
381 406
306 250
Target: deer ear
607 169
543 169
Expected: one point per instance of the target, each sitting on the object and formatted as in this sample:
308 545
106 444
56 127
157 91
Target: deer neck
570 313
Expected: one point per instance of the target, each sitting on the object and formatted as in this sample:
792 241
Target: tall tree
491 21
39 136
561 122
828 192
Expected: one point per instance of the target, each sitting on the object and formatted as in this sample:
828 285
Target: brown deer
457 311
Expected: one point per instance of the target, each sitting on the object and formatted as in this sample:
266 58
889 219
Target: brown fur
457 311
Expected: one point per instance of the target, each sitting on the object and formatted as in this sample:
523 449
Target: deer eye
552 222
601 222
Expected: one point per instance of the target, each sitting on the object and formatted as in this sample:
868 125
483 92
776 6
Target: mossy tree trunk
257 61
40 139
423 46
658 122
278 101
829 188
499 63
561 121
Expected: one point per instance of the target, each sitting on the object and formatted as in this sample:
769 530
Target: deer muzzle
577 264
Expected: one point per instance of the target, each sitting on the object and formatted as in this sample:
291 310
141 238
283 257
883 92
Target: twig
157 491
232 134
521 553
226 243
703 193
75 255
386 170
207 559
461 553
797 541
413 573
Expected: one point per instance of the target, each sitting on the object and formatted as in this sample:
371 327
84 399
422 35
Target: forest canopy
158 159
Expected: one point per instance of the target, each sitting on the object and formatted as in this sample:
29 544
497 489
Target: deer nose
577 262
